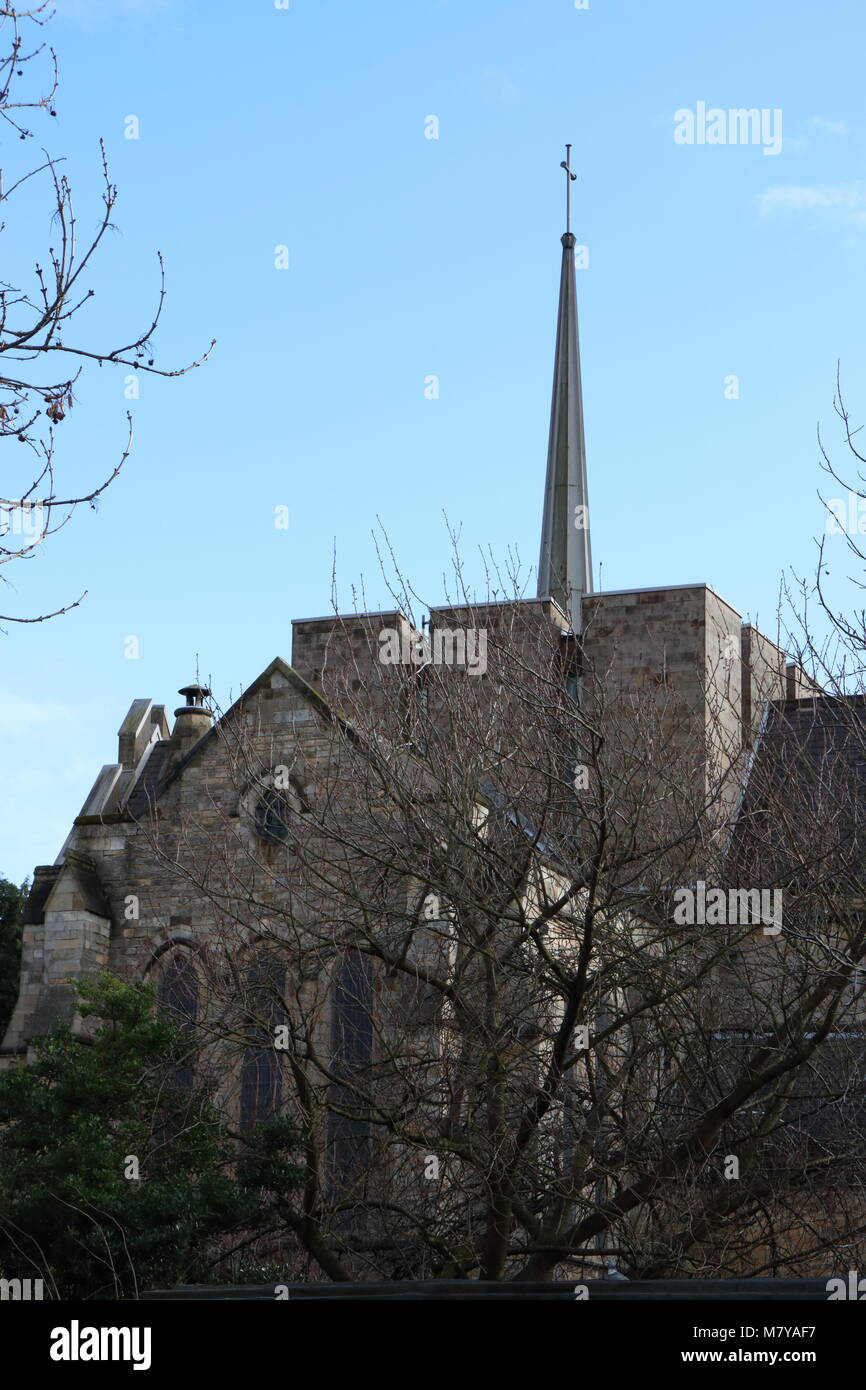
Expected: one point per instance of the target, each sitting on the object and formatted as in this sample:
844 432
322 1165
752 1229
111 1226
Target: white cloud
842 203
18 716
830 127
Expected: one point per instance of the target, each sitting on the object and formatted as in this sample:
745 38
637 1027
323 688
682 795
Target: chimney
191 722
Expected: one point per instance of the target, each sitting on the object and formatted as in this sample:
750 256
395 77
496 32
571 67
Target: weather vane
569 180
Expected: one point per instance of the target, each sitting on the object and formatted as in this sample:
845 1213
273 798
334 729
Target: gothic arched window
177 997
272 805
273 815
261 1075
349 1131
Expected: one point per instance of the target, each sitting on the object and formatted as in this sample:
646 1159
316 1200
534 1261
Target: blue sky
409 257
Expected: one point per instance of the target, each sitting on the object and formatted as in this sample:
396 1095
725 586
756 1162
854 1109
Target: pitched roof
159 775
804 802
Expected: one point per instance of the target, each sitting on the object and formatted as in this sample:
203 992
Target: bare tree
43 354
498 943
828 641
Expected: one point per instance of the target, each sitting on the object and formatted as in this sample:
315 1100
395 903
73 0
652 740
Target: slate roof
44 879
803 809
149 784
88 883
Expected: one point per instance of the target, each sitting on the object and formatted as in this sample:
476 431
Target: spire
565 563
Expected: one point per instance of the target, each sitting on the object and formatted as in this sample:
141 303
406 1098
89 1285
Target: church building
109 901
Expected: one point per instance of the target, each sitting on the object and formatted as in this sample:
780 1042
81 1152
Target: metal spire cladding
565 562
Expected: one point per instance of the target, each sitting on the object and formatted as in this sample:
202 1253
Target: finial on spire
569 180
